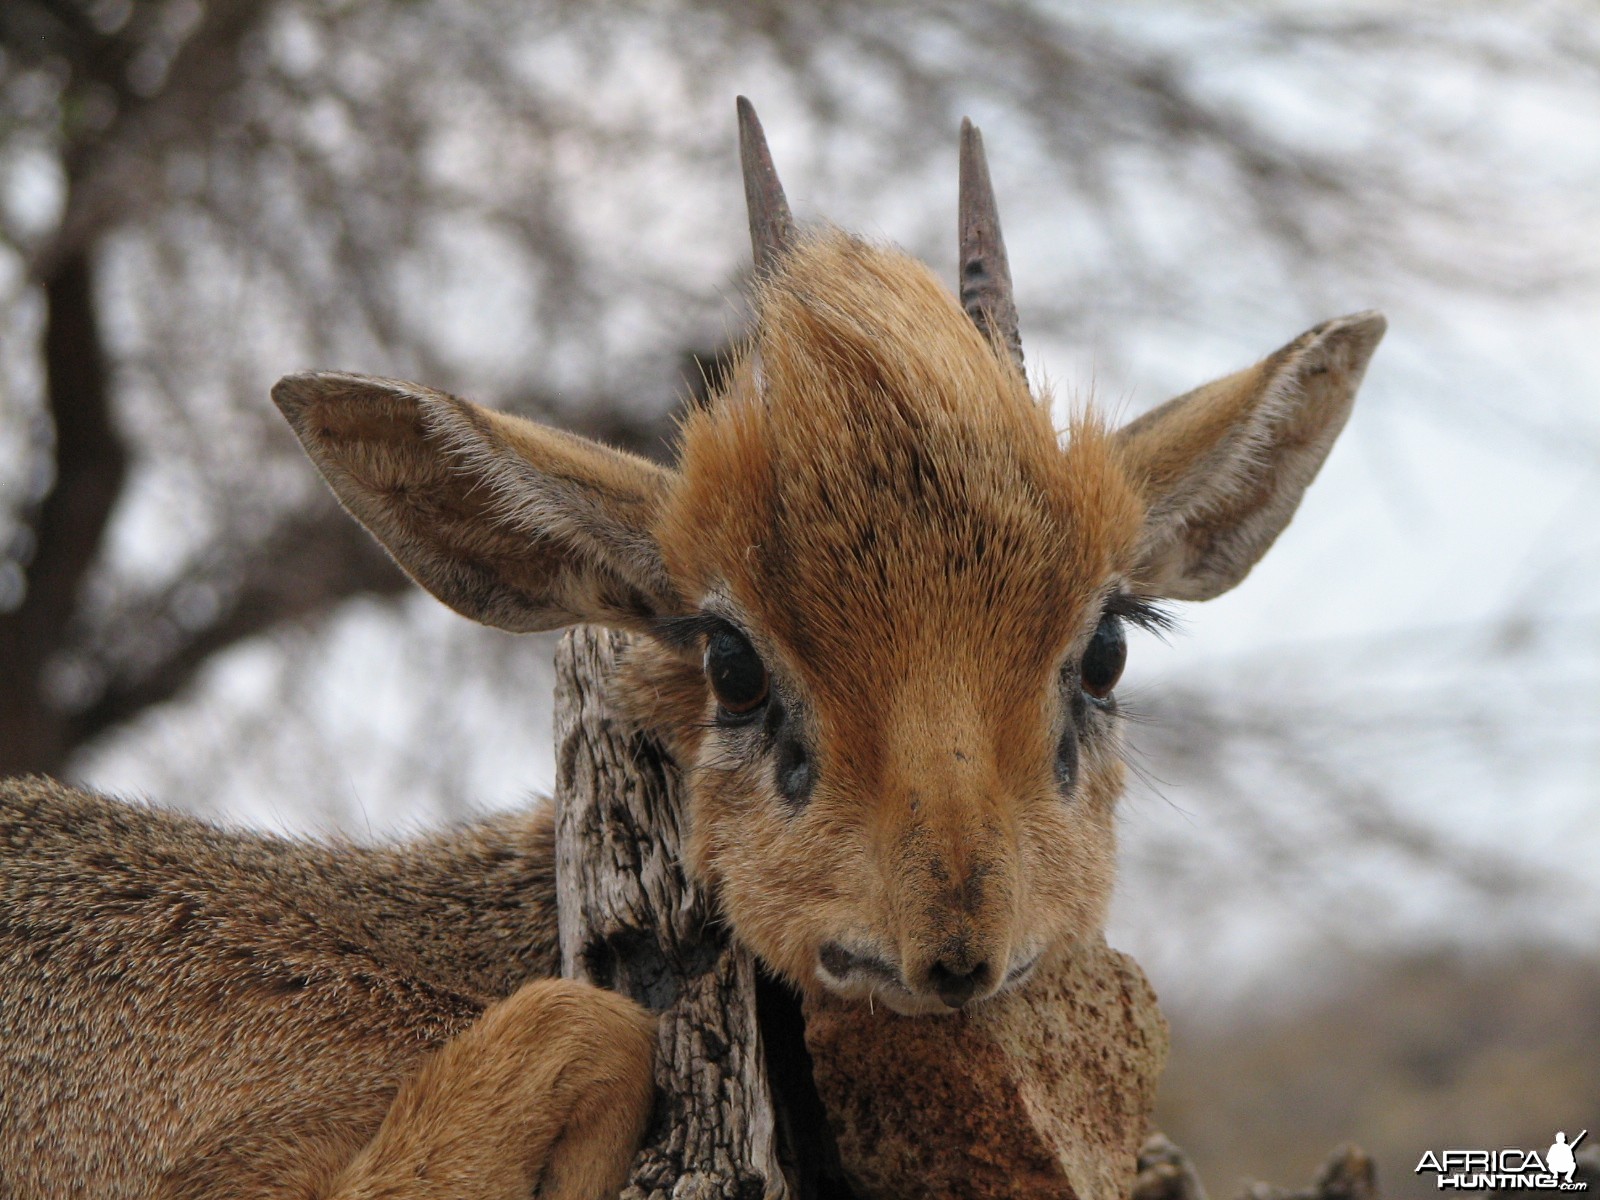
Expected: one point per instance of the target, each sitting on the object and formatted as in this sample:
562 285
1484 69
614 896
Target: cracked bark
631 921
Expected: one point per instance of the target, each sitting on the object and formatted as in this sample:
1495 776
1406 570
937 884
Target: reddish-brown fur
879 505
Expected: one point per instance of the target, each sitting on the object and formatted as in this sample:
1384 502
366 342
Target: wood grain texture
630 920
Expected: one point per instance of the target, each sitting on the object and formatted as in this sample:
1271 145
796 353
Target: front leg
547 1093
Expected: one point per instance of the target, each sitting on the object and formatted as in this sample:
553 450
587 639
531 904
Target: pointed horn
985 275
771 224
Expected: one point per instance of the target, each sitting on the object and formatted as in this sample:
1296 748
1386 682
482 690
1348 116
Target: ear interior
512 524
1223 468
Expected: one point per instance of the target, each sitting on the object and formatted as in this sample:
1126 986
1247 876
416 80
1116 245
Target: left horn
771 224
985 275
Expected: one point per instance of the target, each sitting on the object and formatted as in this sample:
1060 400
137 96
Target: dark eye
737 674
1104 659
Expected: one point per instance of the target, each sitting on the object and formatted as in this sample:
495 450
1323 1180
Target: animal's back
175 998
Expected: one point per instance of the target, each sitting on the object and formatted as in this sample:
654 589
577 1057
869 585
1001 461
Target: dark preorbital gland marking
1067 757
795 769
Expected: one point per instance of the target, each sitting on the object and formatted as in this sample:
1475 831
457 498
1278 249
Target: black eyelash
1141 611
684 633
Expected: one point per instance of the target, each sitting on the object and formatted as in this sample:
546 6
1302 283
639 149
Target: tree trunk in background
90 463
632 922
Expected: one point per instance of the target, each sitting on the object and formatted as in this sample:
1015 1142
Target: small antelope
881 604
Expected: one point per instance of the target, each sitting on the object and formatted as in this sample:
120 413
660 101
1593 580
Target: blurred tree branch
90 458
90 465
131 95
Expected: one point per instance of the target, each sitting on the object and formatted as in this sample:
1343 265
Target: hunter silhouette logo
1475 1170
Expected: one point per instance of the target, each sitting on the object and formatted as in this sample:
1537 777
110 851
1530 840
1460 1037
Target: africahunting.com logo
1503 1170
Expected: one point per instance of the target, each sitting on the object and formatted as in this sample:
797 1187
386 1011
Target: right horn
771 224
985 275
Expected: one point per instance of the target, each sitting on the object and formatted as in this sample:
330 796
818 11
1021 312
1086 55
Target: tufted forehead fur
883 495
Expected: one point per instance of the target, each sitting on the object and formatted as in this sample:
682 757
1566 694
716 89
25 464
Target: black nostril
955 988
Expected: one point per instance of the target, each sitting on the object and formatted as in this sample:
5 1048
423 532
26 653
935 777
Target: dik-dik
880 606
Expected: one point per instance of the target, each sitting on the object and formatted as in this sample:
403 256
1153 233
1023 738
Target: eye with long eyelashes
1105 658
1098 672
737 675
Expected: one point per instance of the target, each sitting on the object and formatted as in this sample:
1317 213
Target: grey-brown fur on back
171 992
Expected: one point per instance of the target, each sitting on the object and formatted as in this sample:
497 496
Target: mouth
860 974
853 966
1019 972
855 974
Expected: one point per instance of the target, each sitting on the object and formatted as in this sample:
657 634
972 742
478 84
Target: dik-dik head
883 597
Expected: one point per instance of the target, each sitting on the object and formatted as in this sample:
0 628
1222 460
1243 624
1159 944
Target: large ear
507 522
1222 468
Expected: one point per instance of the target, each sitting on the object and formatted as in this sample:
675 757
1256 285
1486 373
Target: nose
955 983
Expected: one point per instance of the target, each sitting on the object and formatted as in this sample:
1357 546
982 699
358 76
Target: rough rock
1043 1092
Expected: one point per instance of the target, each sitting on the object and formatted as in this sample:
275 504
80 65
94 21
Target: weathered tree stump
631 921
